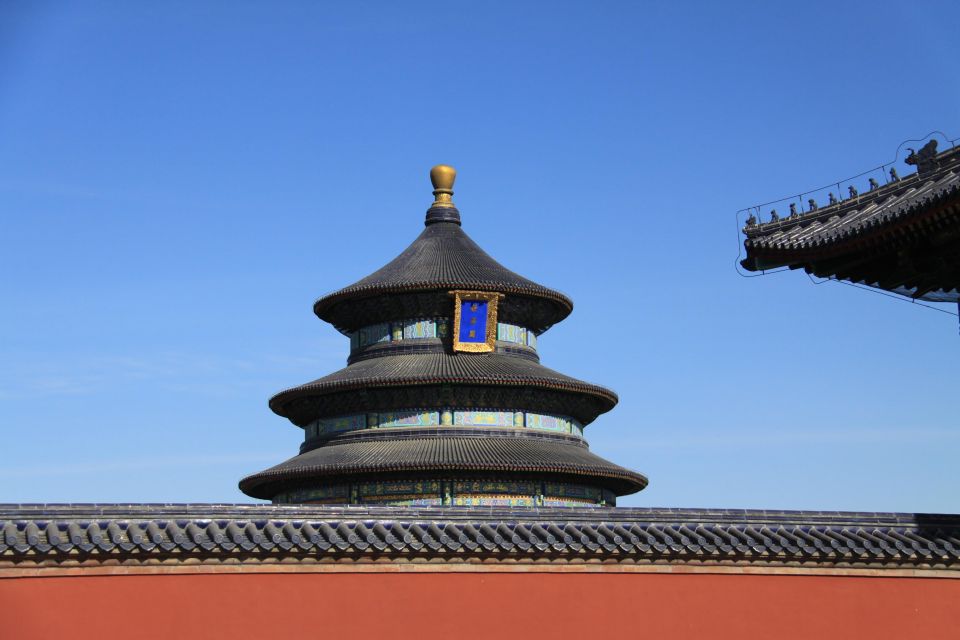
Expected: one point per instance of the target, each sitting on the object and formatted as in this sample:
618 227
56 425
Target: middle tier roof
443 380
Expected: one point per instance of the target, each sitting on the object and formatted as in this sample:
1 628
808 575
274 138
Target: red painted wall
473 605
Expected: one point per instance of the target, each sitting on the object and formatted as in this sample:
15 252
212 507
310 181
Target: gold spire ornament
442 176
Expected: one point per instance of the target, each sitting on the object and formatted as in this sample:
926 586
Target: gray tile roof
439 453
331 394
901 237
54 534
441 259
852 218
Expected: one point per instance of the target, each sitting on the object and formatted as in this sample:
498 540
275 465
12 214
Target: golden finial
442 177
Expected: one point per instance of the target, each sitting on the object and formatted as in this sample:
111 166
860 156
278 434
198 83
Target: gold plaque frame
491 299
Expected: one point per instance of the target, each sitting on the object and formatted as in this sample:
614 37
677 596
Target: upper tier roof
443 258
902 236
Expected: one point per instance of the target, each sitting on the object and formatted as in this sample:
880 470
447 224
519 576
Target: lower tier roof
443 454
424 374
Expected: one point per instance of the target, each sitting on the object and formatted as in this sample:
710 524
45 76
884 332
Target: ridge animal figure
925 158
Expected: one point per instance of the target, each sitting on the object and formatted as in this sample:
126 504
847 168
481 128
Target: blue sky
180 181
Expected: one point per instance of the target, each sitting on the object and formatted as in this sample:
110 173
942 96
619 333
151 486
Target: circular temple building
444 400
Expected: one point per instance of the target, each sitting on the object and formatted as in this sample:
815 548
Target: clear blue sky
179 181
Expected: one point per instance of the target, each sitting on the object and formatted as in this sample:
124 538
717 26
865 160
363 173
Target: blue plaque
473 321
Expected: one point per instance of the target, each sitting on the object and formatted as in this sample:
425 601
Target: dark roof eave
309 389
442 258
432 370
261 485
439 454
763 256
906 207
327 302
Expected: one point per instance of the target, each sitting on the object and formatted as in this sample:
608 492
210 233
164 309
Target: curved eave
432 369
443 258
561 305
882 232
438 455
895 215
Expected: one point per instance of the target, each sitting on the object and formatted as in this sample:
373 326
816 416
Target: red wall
466 605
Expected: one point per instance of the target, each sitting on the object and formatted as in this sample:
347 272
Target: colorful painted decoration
408 419
327 426
414 329
511 333
374 334
483 418
405 418
423 328
460 492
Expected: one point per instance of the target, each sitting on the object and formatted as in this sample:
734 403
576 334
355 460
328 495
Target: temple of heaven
443 401
444 488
